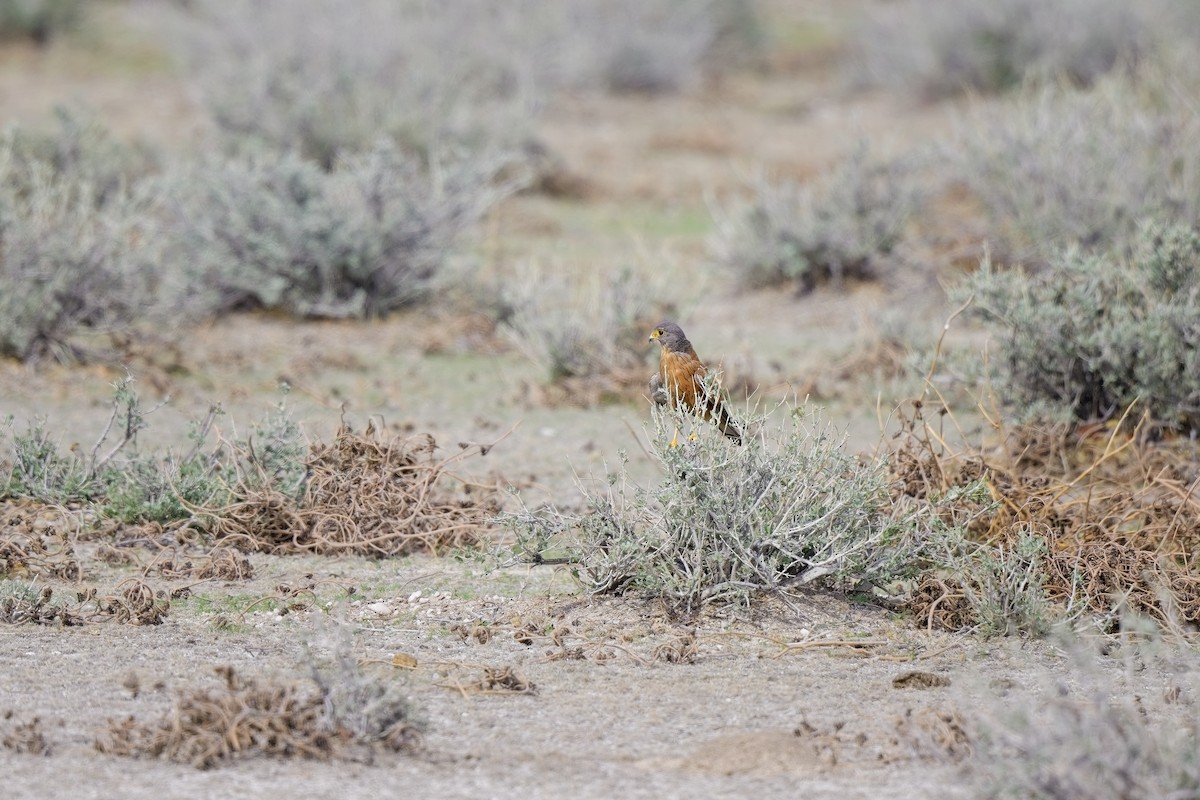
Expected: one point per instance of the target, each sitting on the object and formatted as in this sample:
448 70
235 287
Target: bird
680 380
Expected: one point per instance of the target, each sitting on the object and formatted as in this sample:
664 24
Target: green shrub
1055 168
938 47
372 236
789 508
38 470
1094 333
39 20
122 481
1003 586
845 225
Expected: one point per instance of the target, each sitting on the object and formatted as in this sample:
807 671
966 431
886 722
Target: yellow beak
653 336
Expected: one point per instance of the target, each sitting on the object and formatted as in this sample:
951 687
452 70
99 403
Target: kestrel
680 380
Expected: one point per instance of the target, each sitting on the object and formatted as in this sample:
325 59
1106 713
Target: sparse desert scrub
1097 740
338 711
588 332
1049 522
790 508
845 225
78 148
1091 335
938 47
1055 167
39 20
650 47
72 258
279 232
119 479
270 492
329 78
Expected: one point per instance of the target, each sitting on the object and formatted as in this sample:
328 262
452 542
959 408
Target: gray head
671 337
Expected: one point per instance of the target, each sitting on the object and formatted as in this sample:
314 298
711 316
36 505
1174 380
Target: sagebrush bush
279 232
789 508
939 47
1002 585
81 150
1100 743
1057 167
1094 333
630 46
71 257
39 20
845 225
329 78
580 326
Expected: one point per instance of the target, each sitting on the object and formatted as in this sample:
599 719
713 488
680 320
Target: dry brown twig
246 717
364 495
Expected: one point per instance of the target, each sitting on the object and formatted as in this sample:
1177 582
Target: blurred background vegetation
337 159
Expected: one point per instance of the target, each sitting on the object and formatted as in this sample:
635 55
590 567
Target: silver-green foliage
845 225
328 78
724 523
1100 743
1004 585
1054 168
576 325
279 232
71 258
39 20
121 480
938 47
1093 333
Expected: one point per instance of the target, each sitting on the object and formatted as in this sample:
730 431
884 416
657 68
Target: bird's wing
714 408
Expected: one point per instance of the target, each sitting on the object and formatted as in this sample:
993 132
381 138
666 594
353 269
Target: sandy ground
772 706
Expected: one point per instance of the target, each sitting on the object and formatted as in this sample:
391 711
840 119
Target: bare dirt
620 701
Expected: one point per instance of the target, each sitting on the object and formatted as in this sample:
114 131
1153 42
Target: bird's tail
719 415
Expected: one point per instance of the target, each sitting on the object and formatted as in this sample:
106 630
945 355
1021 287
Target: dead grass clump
933 733
20 603
364 494
501 680
222 564
680 649
32 542
26 737
137 604
1091 520
245 718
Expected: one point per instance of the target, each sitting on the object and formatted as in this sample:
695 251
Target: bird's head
670 336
